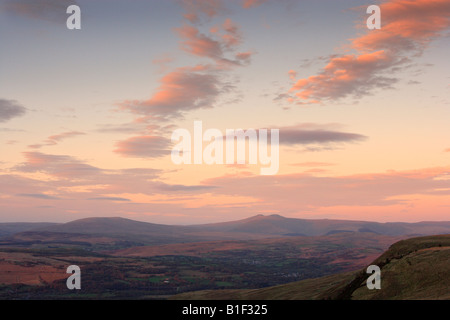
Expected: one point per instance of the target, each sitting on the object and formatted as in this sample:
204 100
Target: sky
87 116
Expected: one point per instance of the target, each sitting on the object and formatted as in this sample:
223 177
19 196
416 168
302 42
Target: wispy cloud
324 135
55 139
309 133
110 199
37 196
181 187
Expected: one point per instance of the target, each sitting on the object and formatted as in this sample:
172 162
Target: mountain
112 226
416 268
279 225
102 231
121 232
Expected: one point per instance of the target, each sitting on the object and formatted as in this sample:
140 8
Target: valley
126 259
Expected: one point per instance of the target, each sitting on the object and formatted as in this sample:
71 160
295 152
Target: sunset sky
86 116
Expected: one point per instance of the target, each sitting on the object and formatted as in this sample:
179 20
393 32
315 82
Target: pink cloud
199 44
407 27
181 90
347 75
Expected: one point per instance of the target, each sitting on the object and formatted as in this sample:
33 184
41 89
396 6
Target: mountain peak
268 217
277 216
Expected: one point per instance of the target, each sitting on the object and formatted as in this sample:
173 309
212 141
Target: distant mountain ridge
279 225
111 225
256 227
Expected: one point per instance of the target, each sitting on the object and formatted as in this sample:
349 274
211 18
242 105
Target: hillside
416 268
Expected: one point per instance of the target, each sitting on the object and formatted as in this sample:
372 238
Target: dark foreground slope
416 268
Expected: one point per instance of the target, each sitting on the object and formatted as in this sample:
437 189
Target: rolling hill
416 268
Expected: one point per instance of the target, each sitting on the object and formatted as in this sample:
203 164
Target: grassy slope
417 268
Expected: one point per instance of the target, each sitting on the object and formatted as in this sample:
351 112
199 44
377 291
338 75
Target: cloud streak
37 196
316 134
110 199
